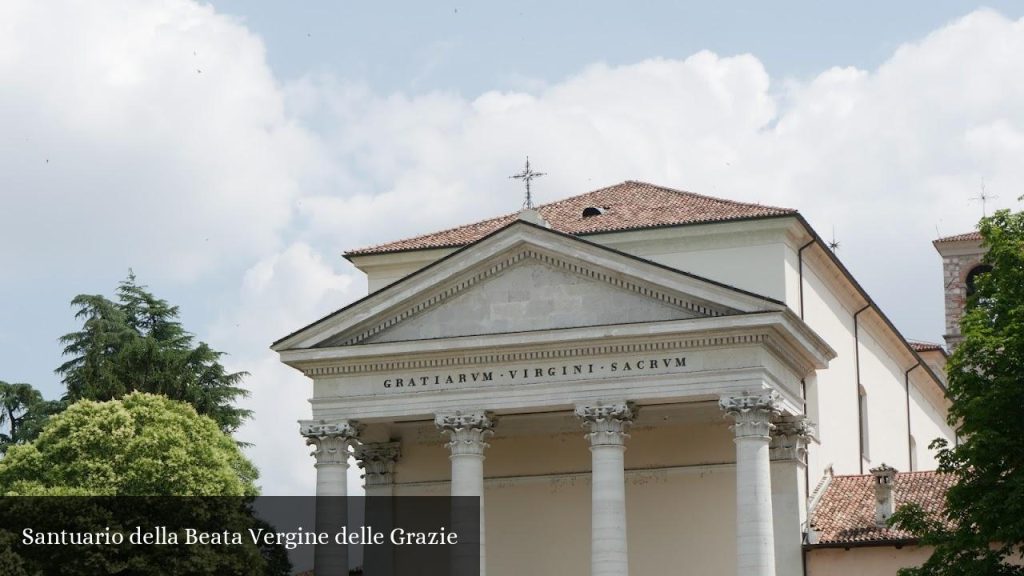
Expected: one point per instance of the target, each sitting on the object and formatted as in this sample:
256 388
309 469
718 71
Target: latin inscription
617 367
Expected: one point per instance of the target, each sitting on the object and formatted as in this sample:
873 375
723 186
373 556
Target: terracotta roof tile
845 513
975 235
627 206
926 346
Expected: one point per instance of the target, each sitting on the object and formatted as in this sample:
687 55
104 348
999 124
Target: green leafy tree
981 531
136 463
136 343
140 445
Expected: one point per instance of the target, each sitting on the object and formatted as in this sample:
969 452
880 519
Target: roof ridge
709 197
898 473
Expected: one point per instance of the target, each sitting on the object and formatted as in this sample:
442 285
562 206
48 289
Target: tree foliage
23 411
136 343
982 529
179 470
140 445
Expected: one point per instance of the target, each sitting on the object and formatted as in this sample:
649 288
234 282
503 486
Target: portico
530 341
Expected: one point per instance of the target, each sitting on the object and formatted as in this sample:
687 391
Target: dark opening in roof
592 211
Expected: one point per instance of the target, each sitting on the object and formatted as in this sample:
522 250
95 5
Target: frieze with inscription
530 374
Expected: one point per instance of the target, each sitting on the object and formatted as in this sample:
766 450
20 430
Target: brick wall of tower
955 269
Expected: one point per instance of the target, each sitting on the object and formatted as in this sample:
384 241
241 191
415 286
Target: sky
228 152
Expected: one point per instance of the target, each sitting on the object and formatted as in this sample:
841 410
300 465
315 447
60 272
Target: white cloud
279 294
145 133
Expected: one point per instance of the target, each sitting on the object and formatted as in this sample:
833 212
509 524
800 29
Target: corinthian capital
790 438
607 424
378 461
330 440
752 415
467 431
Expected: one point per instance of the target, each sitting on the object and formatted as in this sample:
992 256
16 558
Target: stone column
607 426
467 433
378 463
755 542
788 452
330 441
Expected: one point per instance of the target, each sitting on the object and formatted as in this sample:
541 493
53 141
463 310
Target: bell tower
961 263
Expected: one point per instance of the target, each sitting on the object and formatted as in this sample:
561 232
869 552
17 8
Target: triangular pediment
525 278
528 290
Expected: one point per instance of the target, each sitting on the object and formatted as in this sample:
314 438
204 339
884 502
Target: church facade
631 380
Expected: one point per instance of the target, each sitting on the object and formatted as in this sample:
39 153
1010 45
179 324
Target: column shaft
330 443
467 433
468 475
755 532
378 463
755 544
331 479
788 454
607 426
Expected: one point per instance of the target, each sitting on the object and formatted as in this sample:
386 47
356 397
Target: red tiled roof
925 346
845 513
627 206
975 235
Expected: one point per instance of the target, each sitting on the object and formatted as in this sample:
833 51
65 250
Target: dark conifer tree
137 343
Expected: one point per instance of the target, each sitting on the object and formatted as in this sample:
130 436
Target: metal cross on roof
984 197
526 175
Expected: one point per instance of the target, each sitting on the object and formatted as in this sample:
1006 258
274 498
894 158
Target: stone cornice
783 334
535 355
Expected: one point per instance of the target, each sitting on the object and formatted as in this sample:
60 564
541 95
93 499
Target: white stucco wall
832 394
871 561
928 410
745 255
883 379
